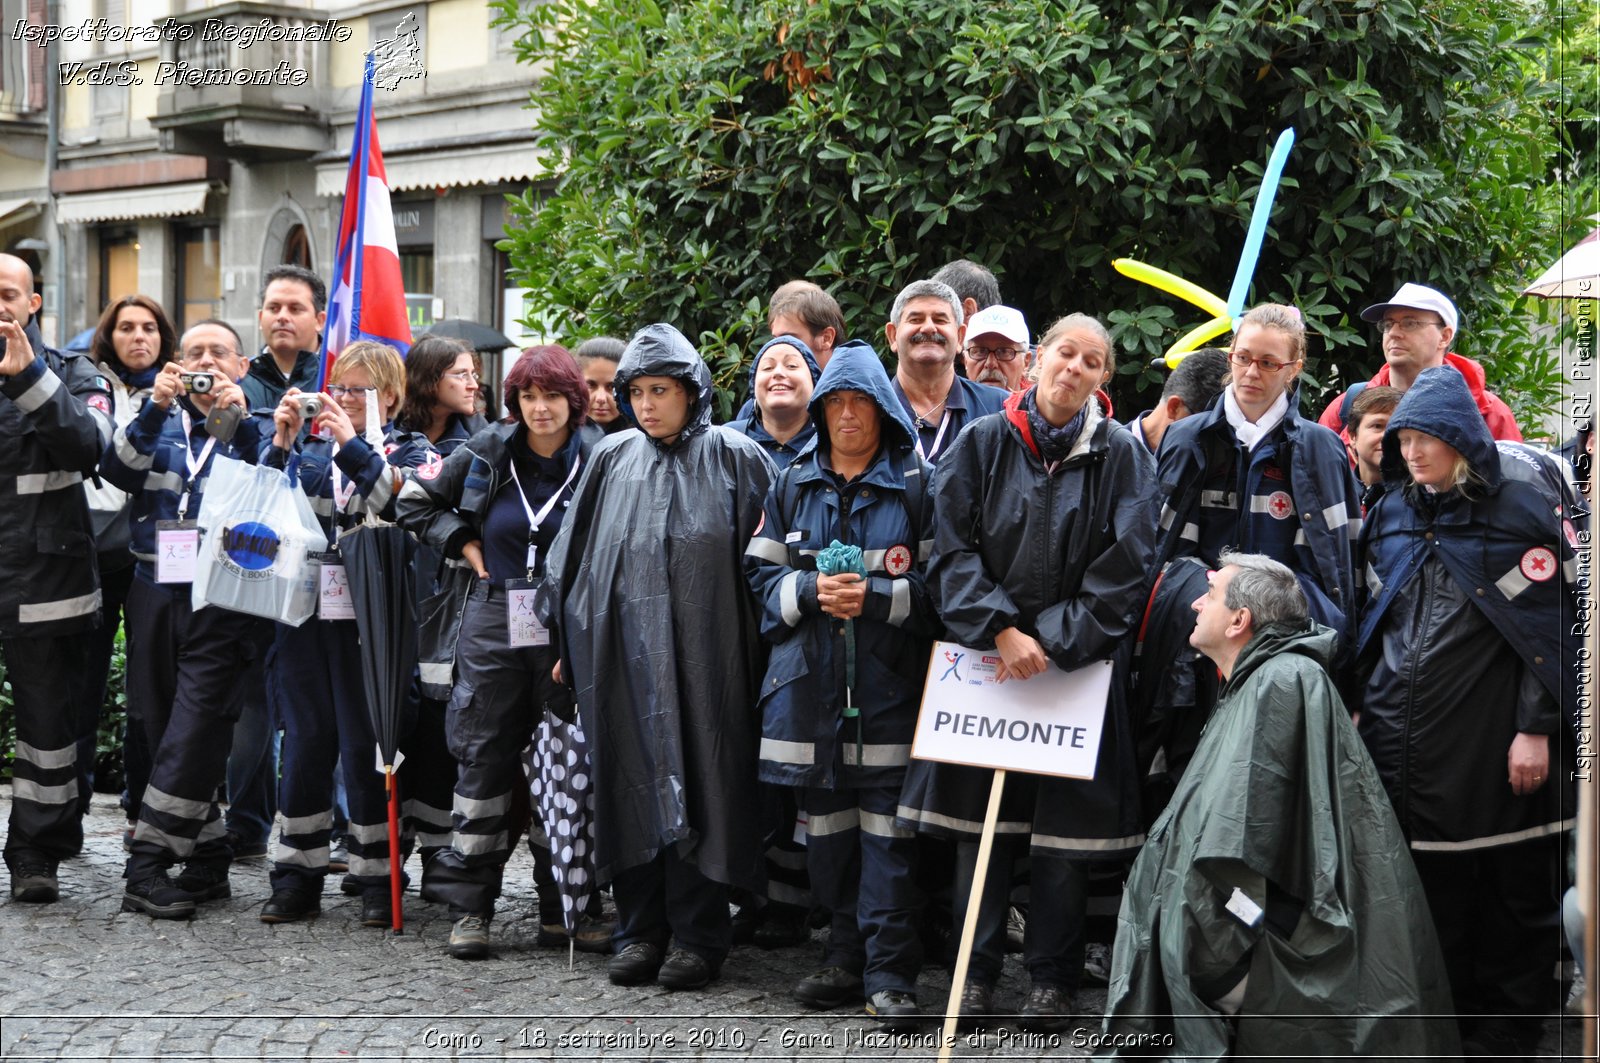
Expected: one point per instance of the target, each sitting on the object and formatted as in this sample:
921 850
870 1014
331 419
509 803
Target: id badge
177 550
522 625
334 601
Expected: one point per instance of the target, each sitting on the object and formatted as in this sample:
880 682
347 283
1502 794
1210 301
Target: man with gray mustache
925 330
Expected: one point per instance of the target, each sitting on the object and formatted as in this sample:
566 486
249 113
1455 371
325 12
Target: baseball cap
1416 297
1005 320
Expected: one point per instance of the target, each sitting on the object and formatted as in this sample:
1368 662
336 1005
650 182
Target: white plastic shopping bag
257 535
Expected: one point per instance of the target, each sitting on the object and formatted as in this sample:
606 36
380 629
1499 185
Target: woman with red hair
496 503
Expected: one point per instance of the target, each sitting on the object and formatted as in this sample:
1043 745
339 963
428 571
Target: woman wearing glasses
314 673
1253 476
441 394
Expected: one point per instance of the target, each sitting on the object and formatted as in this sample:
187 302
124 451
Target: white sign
1048 724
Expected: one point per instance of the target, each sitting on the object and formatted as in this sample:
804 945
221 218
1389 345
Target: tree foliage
711 150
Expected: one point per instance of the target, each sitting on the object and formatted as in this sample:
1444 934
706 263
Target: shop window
119 264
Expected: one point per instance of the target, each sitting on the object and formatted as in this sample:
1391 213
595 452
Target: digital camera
308 405
197 383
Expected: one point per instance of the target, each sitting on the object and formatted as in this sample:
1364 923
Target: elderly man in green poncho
1274 910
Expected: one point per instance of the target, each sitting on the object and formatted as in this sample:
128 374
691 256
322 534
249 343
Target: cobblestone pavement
83 981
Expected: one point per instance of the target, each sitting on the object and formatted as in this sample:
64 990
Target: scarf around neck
1251 435
1053 443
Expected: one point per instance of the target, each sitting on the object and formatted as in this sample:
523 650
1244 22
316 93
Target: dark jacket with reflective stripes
55 418
148 459
807 736
1326 499
1435 567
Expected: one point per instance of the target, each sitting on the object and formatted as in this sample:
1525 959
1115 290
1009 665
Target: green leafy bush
709 151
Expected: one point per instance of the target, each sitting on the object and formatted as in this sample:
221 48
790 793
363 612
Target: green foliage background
709 151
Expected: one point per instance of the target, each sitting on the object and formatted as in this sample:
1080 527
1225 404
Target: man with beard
997 350
926 328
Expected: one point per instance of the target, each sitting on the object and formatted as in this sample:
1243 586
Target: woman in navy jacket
497 503
844 744
1044 534
1468 665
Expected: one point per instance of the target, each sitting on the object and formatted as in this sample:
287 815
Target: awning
161 201
15 211
445 169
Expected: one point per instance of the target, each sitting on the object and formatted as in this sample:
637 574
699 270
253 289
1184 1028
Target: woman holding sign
1045 527
497 502
314 671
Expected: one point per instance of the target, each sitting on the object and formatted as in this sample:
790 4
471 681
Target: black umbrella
377 562
478 337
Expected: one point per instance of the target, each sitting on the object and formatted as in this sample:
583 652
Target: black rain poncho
659 631
1280 791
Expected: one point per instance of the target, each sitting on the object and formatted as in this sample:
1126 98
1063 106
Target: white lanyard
938 438
194 464
341 490
536 519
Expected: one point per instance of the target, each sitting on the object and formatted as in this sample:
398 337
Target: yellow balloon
1196 338
1172 284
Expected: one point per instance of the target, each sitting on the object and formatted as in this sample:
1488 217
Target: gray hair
970 281
1265 587
927 290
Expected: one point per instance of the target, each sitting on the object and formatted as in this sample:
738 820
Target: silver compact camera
308 405
197 383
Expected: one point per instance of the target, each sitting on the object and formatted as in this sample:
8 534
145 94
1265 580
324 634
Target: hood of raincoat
1440 403
661 350
855 367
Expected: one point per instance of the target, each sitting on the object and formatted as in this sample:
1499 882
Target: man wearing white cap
997 348
1418 325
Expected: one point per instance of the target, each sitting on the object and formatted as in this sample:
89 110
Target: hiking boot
243 850
204 882
469 938
339 857
684 969
35 883
1048 1009
977 1005
895 1010
828 988
377 909
158 898
782 930
290 905
635 964
594 935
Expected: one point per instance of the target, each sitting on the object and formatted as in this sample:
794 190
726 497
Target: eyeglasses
1265 365
999 354
339 391
463 375
1410 324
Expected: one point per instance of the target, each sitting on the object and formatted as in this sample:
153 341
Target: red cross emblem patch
1538 564
1280 505
430 468
897 560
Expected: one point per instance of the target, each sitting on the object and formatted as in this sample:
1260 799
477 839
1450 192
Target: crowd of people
1335 770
